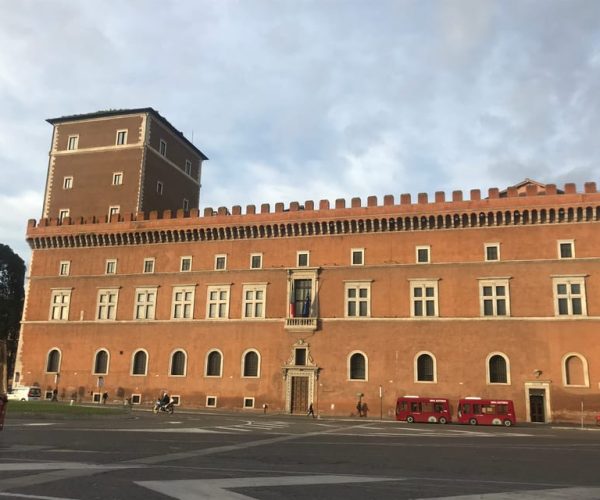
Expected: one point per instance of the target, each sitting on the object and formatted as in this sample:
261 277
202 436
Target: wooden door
299 403
536 406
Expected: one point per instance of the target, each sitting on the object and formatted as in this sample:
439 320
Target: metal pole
582 414
380 403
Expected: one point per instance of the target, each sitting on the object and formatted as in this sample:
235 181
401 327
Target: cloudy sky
294 100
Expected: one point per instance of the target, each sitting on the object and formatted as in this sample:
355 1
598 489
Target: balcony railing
301 324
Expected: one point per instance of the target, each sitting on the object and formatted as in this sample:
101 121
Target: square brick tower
120 161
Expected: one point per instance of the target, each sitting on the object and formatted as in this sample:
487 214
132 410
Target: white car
25 393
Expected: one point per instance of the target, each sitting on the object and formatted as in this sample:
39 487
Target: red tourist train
470 410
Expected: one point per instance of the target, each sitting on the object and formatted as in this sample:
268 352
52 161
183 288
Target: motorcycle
167 408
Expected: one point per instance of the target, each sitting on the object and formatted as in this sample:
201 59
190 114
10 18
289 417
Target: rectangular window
113 211
110 266
186 204
145 303
248 402
424 298
211 401
217 305
357 256
300 356
302 259
186 264
117 178
220 262
162 148
63 213
121 137
301 304
566 249
494 298
183 302
159 187
59 305
254 301
72 142
358 299
569 296
68 182
492 252
422 254
188 167
256 261
64 268
107 304
148 266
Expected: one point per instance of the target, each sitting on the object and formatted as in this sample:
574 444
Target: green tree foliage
12 293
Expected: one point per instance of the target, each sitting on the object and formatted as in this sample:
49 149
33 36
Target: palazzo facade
494 295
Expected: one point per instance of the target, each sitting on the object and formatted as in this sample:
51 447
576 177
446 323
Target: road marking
39 424
59 466
217 488
38 497
554 494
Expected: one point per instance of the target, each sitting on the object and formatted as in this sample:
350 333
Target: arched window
425 367
251 364
101 362
178 359
575 370
53 361
357 366
497 369
213 364
139 365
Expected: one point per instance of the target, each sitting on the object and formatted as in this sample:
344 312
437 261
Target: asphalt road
241 456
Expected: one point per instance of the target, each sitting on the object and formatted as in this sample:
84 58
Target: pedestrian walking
311 411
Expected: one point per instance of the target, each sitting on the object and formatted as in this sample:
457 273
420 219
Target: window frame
221 363
365 358
186 258
254 287
107 309
185 362
357 286
584 368
145 304
186 205
64 265
260 260
117 179
488 371
162 148
218 302
63 307
418 250
494 282
302 253
68 182
243 362
95 371
73 142
107 265
121 133
218 258
416 368
357 251
423 284
188 167
160 187
63 213
146 362
569 281
571 246
184 303
113 210
150 261
58 361
487 246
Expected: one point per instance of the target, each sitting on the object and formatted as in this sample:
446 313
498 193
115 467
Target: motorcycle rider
165 400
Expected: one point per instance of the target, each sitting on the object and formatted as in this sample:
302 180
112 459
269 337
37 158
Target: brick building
494 295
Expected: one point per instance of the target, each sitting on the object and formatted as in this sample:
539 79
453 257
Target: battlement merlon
506 205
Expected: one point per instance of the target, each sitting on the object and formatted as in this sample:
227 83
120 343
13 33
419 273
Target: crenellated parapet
525 203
